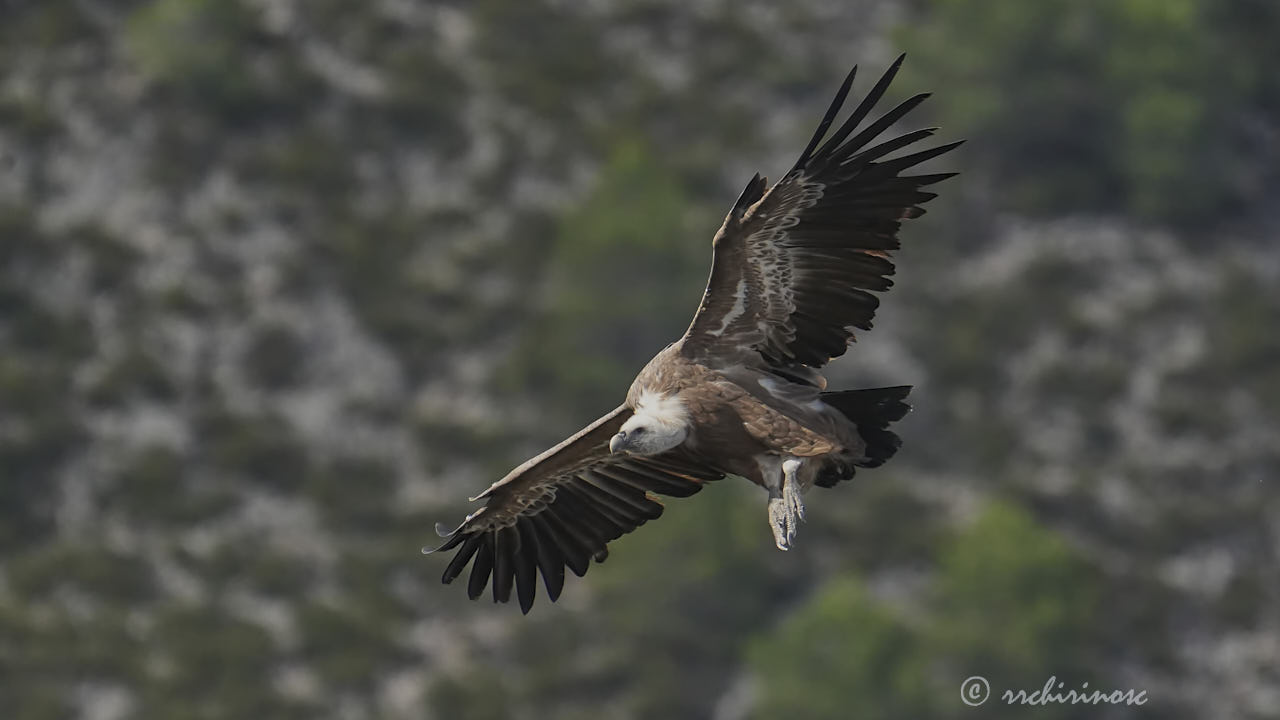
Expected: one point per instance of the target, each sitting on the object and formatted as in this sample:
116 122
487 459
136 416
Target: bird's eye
638 431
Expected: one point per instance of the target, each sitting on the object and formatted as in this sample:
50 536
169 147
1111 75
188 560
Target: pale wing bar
816 246
838 247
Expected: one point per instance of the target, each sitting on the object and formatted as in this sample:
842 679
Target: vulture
794 272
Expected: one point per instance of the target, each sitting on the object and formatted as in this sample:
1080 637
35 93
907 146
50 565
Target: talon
794 501
791 488
786 508
779 522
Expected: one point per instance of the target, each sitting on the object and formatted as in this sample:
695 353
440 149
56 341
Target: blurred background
283 282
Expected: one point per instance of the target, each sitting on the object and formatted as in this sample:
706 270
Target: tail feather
871 410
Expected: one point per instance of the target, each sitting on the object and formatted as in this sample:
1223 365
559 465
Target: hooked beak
617 441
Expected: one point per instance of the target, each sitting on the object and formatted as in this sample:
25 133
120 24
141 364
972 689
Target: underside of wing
561 509
796 266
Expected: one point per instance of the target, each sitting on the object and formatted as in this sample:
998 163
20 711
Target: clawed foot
786 508
791 494
782 518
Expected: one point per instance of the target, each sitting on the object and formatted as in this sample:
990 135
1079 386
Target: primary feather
793 273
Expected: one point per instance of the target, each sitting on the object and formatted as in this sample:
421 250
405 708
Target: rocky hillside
282 283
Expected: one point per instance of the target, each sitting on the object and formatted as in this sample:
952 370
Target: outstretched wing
794 267
561 509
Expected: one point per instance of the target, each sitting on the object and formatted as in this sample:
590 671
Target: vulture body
793 271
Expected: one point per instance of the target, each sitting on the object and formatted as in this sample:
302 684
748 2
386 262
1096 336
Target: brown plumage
793 271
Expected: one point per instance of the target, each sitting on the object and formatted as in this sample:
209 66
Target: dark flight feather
815 229
794 272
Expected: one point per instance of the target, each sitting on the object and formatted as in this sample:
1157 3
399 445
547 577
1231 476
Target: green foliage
29 118
1242 600
137 375
212 69
1099 105
195 45
261 448
210 666
42 653
353 493
472 696
411 304
45 24
423 93
349 650
876 523
701 545
1014 603
244 562
539 51
152 487
843 654
1243 312
96 573
43 346
276 357
302 167
625 272
1010 601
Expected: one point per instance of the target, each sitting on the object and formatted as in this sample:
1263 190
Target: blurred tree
625 271
206 664
473 696
196 47
1131 105
1015 604
43 342
1011 602
841 655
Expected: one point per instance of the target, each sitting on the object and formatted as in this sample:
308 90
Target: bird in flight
793 270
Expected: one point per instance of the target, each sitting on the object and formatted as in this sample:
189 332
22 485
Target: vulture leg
791 489
780 521
786 509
